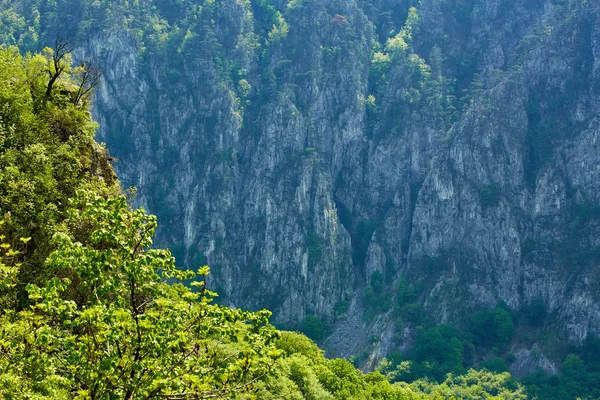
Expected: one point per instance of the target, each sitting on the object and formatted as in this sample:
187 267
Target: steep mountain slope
308 150
102 322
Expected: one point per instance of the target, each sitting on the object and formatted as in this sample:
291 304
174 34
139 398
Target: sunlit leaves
116 327
46 148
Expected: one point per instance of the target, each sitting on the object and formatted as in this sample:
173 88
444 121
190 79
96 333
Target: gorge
327 157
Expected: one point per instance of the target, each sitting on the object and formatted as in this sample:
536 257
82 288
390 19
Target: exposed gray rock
297 192
528 361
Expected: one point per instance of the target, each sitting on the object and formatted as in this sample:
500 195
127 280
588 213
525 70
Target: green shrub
314 328
341 307
376 298
492 328
439 351
315 247
489 196
495 364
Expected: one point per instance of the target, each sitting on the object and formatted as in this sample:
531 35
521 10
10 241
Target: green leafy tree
492 328
114 328
503 327
495 364
476 385
314 327
47 153
439 351
377 298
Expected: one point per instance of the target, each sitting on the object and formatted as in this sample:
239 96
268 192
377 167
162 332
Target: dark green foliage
580 376
266 16
510 358
579 380
444 349
590 351
469 353
407 292
431 265
376 297
535 311
480 325
586 211
439 351
341 307
412 312
503 327
575 250
492 328
315 247
489 196
495 364
314 328
407 308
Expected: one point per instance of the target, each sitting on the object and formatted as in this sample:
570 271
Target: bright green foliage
9 269
475 385
426 94
304 373
47 152
8 265
14 29
399 44
120 329
181 29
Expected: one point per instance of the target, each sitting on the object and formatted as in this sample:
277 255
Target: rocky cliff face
305 148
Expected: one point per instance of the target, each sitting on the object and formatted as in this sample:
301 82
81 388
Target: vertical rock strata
469 163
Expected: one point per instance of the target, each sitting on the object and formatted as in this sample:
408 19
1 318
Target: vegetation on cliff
264 58
104 314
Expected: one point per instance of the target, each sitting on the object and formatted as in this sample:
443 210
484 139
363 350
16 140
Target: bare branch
89 79
62 48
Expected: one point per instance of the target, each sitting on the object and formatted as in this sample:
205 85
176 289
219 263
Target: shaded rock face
528 361
311 168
